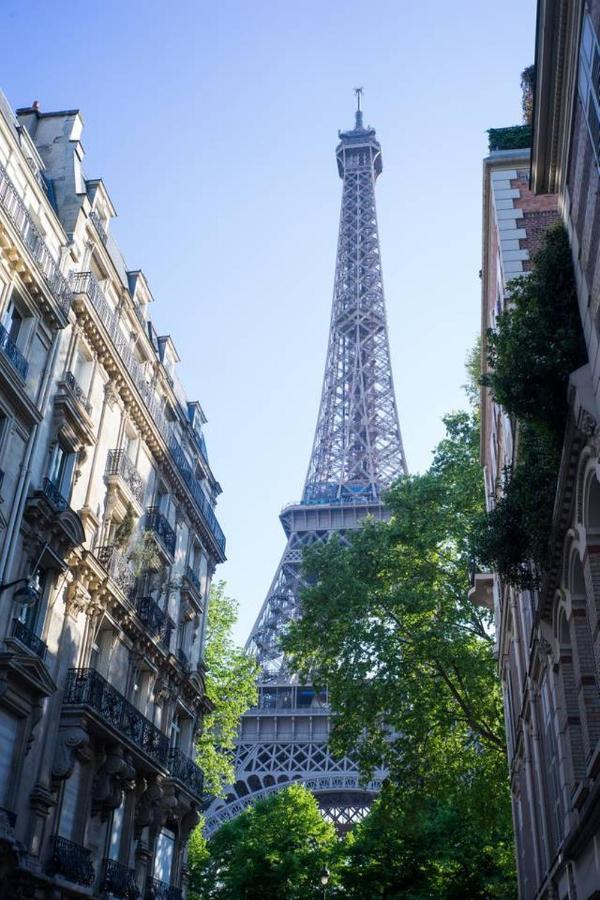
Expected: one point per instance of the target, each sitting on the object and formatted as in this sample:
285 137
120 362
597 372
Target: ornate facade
108 542
548 640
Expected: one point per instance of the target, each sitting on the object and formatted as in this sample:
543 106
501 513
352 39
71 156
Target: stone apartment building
548 640
108 541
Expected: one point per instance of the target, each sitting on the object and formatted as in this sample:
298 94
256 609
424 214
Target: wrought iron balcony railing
97 223
119 880
158 524
158 623
118 463
117 566
185 470
32 238
53 495
185 770
86 283
29 638
71 861
193 580
77 391
12 353
88 688
160 890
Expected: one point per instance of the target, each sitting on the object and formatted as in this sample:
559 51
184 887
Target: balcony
71 861
158 623
22 222
119 881
193 580
53 495
117 566
97 223
86 687
200 498
29 638
77 391
119 464
157 523
185 770
159 890
12 352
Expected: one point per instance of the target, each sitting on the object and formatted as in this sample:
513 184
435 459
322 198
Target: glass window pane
163 856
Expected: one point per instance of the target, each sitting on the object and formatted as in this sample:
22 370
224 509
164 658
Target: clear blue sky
214 125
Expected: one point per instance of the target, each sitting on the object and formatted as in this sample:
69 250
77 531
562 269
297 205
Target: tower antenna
359 117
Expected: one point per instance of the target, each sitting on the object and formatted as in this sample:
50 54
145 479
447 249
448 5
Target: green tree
389 628
274 850
536 345
230 687
422 848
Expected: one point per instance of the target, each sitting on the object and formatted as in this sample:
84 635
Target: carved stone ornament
147 808
189 822
587 423
77 599
71 740
115 775
110 393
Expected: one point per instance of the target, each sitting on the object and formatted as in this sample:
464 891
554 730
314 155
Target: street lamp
324 876
28 594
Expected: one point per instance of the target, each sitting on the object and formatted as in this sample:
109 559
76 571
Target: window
116 831
61 469
68 812
163 855
550 748
82 369
8 735
175 732
102 651
589 82
12 321
30 614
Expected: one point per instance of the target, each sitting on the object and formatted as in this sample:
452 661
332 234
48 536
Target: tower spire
359 116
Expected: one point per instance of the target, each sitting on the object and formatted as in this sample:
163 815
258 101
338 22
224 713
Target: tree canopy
273 850
230 687
408 660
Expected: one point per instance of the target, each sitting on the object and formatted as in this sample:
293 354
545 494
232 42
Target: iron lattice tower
357 453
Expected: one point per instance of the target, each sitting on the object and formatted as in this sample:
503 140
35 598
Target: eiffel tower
357 453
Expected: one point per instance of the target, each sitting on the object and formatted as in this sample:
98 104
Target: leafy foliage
144 556
515 137
274 849
514 536
230 688
387 625
124 530
537 344
428 849
528 89
538 340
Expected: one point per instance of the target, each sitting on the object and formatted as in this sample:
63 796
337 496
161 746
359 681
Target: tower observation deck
357 453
